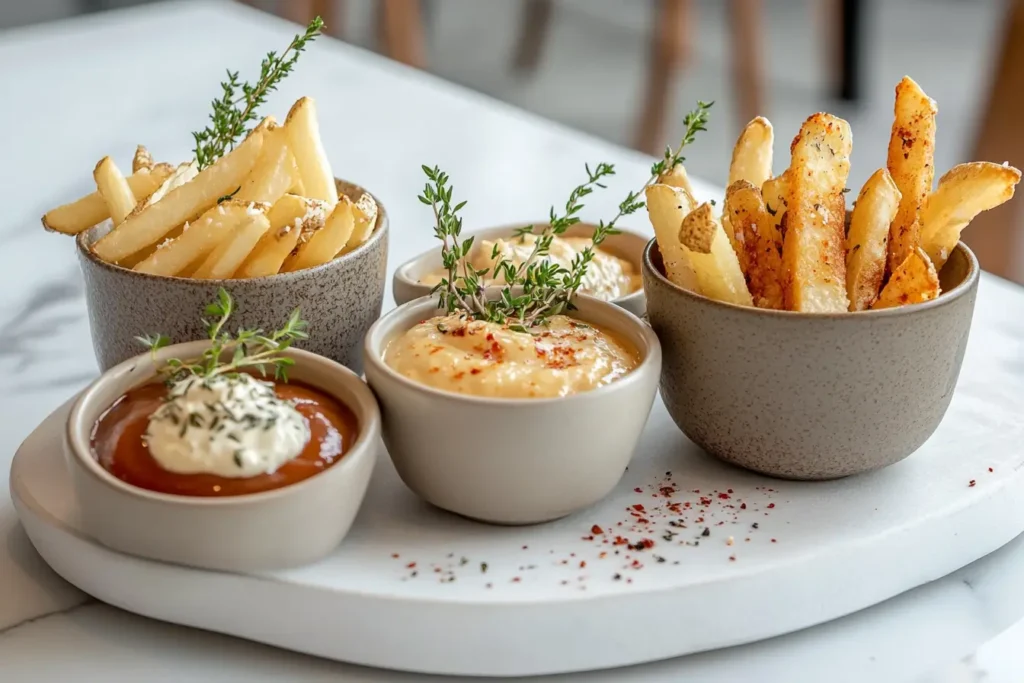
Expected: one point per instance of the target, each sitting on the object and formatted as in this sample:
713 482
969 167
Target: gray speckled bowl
340 299
810 396
629 246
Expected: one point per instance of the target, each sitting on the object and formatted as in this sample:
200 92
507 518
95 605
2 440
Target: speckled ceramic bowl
406 283
340 299
285 527
810 396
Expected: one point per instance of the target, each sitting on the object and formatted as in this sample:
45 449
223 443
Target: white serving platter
408 589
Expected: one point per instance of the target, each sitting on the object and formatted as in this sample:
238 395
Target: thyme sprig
236 108
251 349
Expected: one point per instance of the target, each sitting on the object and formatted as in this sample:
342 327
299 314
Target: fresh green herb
236 108
245 349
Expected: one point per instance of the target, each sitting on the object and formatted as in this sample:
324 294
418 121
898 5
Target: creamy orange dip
465 356
608 277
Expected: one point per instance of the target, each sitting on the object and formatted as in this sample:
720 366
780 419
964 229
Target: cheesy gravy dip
455 353
608 277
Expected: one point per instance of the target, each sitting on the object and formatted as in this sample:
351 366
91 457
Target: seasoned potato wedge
813 259
914 281
760 252
714 261
364 211
868 239
667 206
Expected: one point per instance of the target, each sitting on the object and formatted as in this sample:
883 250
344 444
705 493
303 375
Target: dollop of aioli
229 426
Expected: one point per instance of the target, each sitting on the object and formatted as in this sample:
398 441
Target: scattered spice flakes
394 556
596 530
411 565
516 579
732 558
991 470
972 483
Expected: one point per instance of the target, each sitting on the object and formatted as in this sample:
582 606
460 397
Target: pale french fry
775 194
667 206
114 189
182 204
223 261
87 211
274 173
714 261
760 253
327 242
142 159
911 163
676 177
140 256
289 218
364 211
196 242
914 281
813 260
181 175
304 142
868 238
963 192
752 155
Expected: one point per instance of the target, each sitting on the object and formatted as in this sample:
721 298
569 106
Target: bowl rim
947 297
77 431
400 271
379 229
650 358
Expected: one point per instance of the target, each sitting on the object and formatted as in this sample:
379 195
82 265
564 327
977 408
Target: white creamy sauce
233 427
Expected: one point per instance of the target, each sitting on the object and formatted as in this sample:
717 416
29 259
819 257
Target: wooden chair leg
745 22
298 11
669 49
995 236
534 27
400 31
333 13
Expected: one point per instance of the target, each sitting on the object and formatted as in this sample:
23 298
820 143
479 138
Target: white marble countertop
79 90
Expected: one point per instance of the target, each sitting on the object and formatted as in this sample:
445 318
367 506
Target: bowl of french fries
267 220
803 340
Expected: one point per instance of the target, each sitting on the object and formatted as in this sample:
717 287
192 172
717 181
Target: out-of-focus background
628 70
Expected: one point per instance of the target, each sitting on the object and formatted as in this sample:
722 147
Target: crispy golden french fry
197 241
89 210
114 189
911 163
327 242
304 142
813 260
914 281
775 194
273 174
752 155
223 261
181 175
963 192
142 159
718 269
182 204
676 177
289 218
868 238
365 213
140 256
667 206
760 252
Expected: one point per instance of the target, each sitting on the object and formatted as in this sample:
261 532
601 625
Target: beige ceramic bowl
340 299
285 527
513 461
629 246
810 396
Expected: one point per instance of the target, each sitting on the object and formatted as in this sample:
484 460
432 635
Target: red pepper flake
724 496
638 490
773 540
771 505
525 547
636 565
732 558
647 543
990 469
586 538
394 556
516 579
704 500
602 556
596 530
638 507
730 490
972 483
411 565
475 371
743 506
667 491
583 564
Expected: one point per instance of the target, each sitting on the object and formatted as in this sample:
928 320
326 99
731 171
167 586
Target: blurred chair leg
298 11
995 235
745 22
669 50
851 14
535 24
332 12
400 31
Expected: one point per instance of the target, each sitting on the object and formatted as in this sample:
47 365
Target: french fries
676 177
667 206
913 282
364 211
226 258
868 239
182 204
752 155
181 175
87 211
775 194
304 141
911 163
291 217
813 261
714 261
275 172
197 241
760 252
327 242
963 192
114 189
142 159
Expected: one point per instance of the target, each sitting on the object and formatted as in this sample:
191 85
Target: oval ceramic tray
687 554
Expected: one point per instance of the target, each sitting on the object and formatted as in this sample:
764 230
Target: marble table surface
78 90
